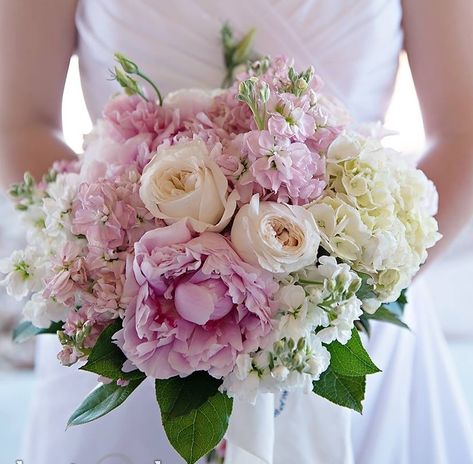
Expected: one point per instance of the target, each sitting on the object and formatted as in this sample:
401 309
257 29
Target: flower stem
152 84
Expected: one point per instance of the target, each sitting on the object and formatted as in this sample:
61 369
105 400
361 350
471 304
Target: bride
413 412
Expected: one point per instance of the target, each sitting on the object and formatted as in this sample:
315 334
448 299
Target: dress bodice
353 45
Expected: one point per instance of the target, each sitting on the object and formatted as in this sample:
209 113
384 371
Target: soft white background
403 117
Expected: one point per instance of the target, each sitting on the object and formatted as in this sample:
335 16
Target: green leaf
101 401
351 359
182 395
345 391
385 315
26 330
107 358
366 290
363 325
397 307
197 432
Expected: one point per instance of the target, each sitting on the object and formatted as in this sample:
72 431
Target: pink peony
193 304
106 158
131 115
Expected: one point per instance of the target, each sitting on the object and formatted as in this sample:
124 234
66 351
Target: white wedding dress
414 413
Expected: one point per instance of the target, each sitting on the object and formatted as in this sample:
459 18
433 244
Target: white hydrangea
22 272
378 213
42 312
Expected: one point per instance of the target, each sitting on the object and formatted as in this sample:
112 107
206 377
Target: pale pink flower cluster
193 304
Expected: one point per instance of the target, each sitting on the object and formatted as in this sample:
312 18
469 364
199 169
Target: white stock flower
294 366
57 206
41 312
22 273
182 181
279 238
331 293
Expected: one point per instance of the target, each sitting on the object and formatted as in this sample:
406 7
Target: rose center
183 180
283 234
179 182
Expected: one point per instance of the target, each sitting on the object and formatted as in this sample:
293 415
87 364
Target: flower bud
264 92
127 65
297 360
291 344
278 347
301 344
280 373
301 85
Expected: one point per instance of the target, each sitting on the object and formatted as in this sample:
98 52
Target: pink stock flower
79 335
67 166
106 158
107 290
68 355
322 139
192 304
69 275
287 171
101 216
291 117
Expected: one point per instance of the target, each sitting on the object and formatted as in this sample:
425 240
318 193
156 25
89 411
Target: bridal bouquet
224 244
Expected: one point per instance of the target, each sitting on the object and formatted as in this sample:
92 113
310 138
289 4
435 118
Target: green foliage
235 52
344 382
385 315
101 401
351 359
183 395
340 389
26 330
389 312
366 289
194 413
107 359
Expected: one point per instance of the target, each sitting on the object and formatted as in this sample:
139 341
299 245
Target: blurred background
17 361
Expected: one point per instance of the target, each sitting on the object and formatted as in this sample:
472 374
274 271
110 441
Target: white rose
279 238
182 181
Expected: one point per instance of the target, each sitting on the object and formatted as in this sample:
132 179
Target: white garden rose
279 238
182 181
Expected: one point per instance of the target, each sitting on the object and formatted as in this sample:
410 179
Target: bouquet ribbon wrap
255 436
